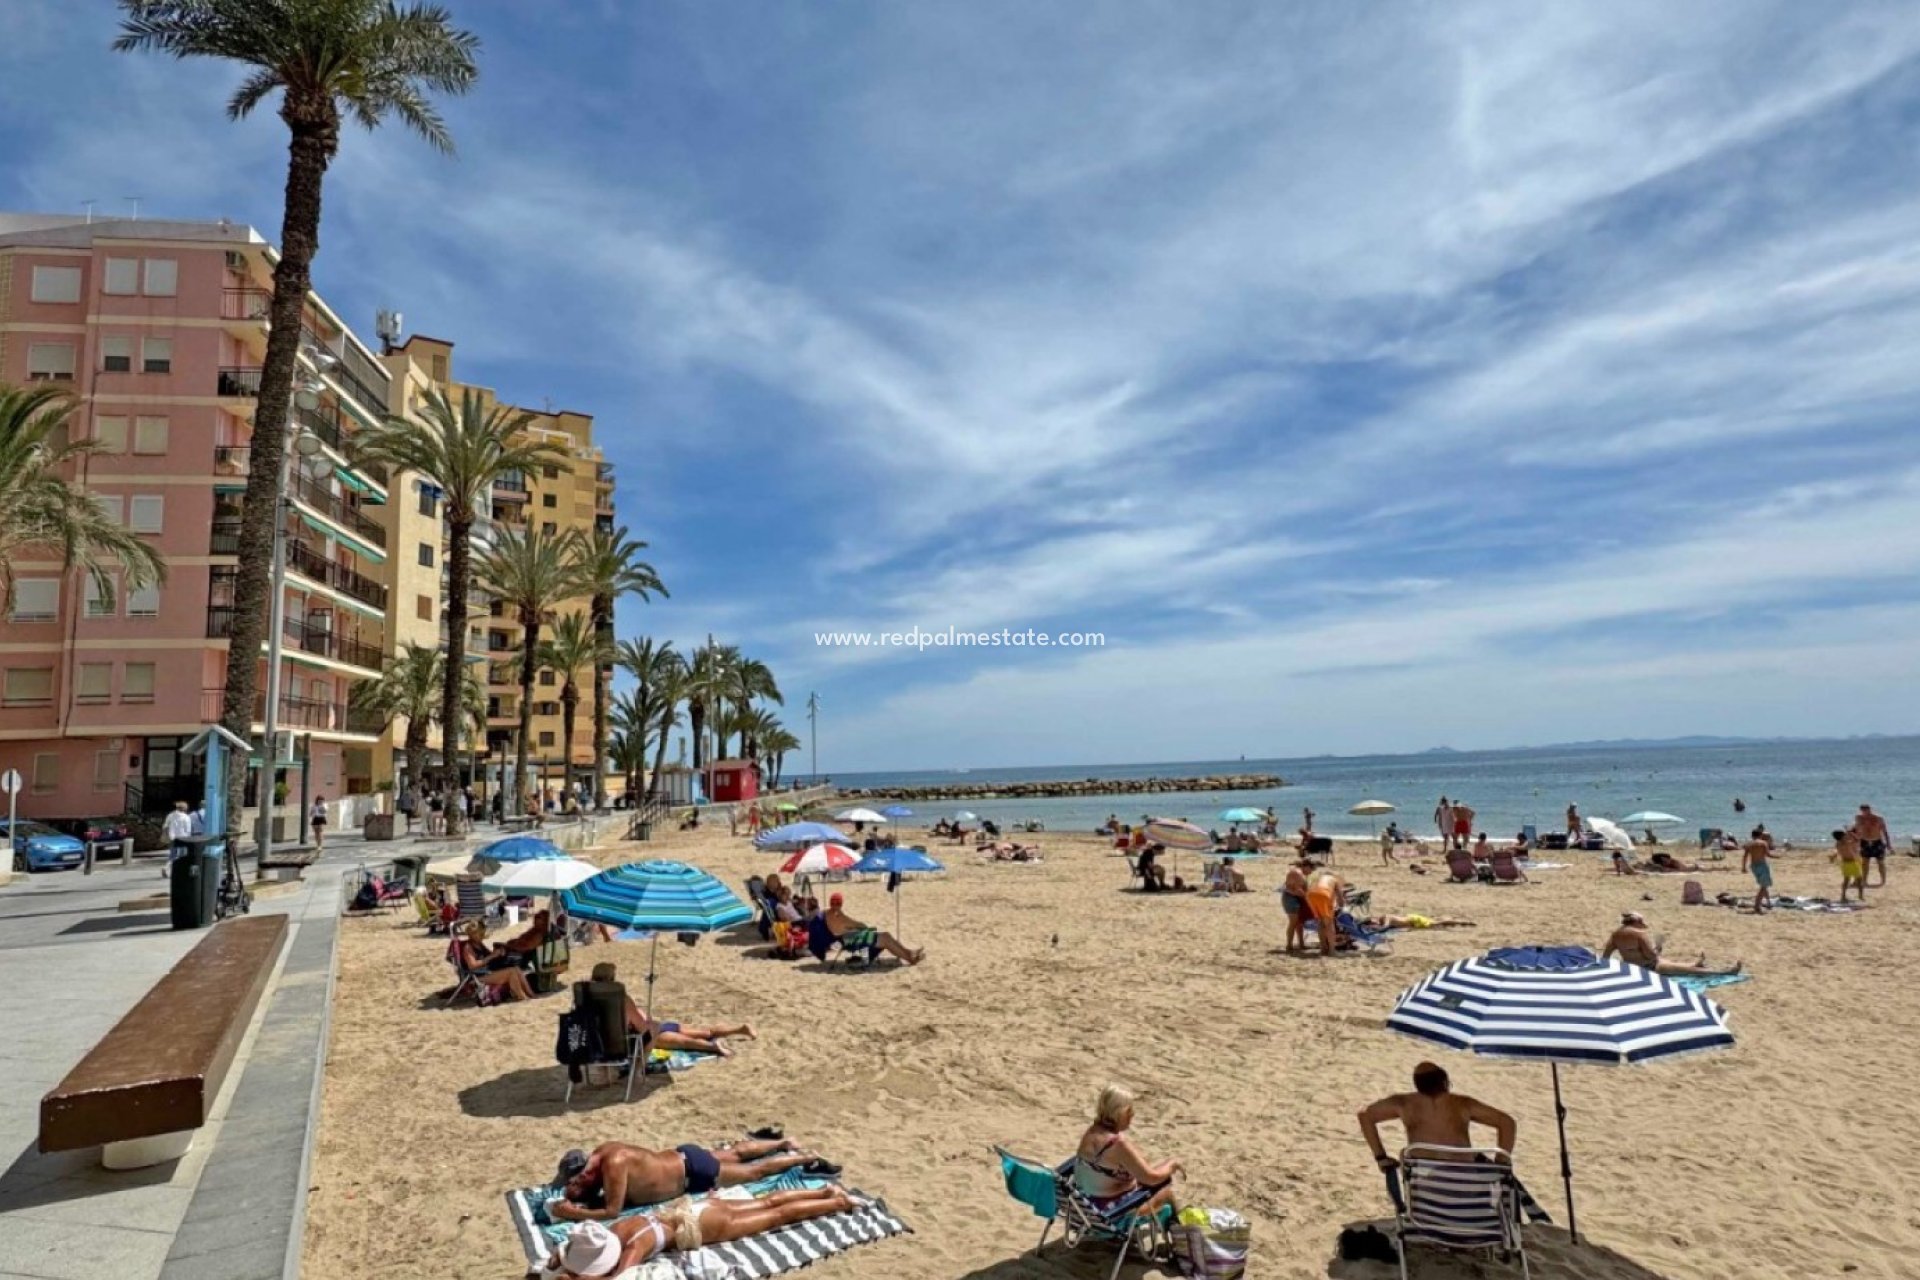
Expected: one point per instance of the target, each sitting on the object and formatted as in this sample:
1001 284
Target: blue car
38 847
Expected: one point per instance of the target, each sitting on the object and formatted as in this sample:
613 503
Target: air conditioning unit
236 261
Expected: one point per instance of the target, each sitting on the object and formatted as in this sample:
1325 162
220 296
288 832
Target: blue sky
1373 377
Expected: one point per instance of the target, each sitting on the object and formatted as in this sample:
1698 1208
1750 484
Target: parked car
38 847
97 830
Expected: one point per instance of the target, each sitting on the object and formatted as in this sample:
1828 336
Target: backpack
578 1042
1692 895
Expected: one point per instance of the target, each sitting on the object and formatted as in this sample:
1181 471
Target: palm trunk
601 613
416 743
569 711
697 721
459 574
309 151
660 753
529 664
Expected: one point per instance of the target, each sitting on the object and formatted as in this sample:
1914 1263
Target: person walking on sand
1462 824
1573 824
317 819
1636 946
1853 870
1443 819
1870 829
1754 855
1306 821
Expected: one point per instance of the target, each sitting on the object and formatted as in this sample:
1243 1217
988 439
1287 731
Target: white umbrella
1372 809
966 815
859 815
540 879
1610 835
1650 818
449 868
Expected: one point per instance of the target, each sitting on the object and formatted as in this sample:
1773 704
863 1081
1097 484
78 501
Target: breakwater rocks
1073 787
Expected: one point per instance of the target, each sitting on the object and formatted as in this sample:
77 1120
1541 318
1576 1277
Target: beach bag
1692 894
1211 1244
578 1043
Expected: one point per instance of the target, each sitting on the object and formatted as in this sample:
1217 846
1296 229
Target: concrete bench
150 1083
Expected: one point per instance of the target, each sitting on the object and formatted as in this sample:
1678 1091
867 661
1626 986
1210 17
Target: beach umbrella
1242 814
541 879
797 835
519 849
859 815
897 862
1610 835
819 859
787 806
966 815
1559 1005
1371 809
1178 835
656 896
1649 818
451 868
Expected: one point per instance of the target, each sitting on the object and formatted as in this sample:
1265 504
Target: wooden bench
150 1083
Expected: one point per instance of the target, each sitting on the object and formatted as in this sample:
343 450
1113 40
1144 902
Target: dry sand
1792 1155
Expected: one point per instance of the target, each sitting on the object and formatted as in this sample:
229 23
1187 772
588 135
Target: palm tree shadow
1551 1255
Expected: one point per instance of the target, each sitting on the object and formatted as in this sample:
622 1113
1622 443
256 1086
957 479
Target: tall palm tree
573 645
708 685
776 744
363 60
651 663
533 574
673 683
40 506
461 452
750 678
754 725
409 689
611 564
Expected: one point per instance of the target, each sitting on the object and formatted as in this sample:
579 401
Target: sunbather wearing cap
1433 1115
617 1176
854 935
1636 946
675 1035
593 1250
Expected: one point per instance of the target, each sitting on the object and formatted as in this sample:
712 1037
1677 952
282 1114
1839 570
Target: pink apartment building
158 329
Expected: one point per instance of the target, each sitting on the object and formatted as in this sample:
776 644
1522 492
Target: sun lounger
1460 867
1506 868
1052 1195
1460 1205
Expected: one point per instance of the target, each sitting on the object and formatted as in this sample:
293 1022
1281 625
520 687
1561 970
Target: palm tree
460 451
573 645
363 60
409 690
611 565
40 506
708 684
532 574
777 742
754 725
672 692
750 678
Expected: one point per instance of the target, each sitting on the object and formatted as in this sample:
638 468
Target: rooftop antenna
387 325
90 204
135 202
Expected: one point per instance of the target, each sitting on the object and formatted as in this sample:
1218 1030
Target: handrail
305 560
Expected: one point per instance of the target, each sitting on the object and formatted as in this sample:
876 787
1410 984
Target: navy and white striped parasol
1559 1005
1606 1011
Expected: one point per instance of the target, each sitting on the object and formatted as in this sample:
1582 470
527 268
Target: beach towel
1709 983
1818 905
769 1254
663 1060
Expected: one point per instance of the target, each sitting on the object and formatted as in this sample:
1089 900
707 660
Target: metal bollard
87 867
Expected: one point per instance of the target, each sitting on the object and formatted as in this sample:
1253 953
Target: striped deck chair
472 899
1051 1194
1464 1206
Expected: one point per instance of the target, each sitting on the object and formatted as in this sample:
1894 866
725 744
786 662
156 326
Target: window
546 678
546 737
549 528
162 276
46 770
122 276
35 600
106 770
50 362
143 602
426 554
110 504
146 512
99 603
439 367
423 608
552 473
136 682
28 687
150 435
116 355
95 682
546 708
110 434
549 500
429 501
56 284
156 355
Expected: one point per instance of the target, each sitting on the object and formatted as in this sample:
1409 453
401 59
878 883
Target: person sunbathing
1227 879
1013 851
854 935
1435 1116
524 944
618 1176
1666 863
1637 946
1108 1167
1417 922
674 1035
596 1250
1621 867
494 967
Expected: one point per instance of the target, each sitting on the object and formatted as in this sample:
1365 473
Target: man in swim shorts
1326 895
1754 857
616 1177
1871 831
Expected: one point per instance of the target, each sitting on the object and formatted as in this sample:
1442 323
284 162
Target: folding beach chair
1506 870
469 978
1051 1194
472 899
823 944
1458 1199
1460 868
604 1005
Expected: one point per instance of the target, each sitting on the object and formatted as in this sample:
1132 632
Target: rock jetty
1067 787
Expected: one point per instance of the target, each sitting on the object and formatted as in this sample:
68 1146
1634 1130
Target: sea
1801 790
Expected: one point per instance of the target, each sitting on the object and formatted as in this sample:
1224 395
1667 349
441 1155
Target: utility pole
813 732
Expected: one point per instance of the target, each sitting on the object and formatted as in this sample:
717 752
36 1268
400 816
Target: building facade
159 330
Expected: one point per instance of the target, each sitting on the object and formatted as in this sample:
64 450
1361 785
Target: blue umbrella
1559 1004
520 849
656 896
897 811
897 862
1242 815
798 835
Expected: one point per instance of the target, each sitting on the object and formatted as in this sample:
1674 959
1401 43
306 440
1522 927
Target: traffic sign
10 782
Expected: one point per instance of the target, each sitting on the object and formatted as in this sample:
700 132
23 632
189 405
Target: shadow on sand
542 1091
1550 1256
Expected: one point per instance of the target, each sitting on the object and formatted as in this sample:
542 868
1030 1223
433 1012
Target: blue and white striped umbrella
797 835
669 896
1559 1004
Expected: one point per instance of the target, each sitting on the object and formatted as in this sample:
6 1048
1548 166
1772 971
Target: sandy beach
1789 1156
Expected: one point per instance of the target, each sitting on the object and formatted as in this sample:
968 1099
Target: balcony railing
321 716
604 473
308 637
338 509
225 540
332 428
365 384
511 490
304 560
232 459
245 304
239 380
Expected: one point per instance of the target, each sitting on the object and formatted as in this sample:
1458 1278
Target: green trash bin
644 830
193 880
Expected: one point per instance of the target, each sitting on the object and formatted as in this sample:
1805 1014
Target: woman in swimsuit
1293 900
594 1249
1108 1166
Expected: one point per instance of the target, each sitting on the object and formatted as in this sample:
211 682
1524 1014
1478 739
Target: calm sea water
1801 790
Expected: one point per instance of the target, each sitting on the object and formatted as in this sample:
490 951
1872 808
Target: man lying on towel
617 1177
595 1250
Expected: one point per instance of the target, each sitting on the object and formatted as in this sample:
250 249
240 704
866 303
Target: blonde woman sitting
1108 1167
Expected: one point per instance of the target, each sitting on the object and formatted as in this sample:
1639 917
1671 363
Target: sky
1372 378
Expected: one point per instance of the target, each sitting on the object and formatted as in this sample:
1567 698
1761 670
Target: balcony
509 490
245 304
604 473
364 381
319 716
232 459
239 380
307 562
308 637
338 509
225 539
332 428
